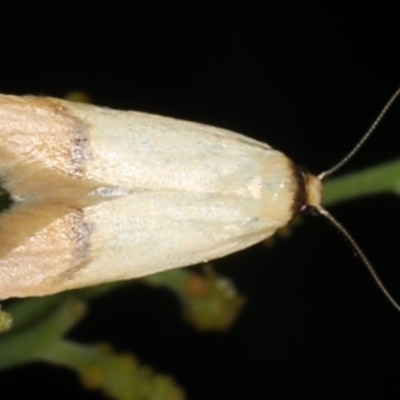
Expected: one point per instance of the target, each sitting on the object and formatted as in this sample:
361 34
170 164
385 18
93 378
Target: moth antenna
360 253
315 202
369 132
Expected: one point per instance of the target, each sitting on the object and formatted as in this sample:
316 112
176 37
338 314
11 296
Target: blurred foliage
209 303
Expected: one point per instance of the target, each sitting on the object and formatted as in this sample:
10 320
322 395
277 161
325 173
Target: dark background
306 77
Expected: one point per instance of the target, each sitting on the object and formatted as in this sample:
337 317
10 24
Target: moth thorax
313 191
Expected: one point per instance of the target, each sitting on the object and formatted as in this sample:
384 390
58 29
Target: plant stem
383 178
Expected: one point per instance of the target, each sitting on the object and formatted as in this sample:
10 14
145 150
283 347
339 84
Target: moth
102 195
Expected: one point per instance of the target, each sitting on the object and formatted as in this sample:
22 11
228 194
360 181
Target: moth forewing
102 195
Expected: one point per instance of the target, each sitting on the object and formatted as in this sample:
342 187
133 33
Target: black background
306 77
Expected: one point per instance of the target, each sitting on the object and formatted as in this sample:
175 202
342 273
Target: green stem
383 178
28 344
70 354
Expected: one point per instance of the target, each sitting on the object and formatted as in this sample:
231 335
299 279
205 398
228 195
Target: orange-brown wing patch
41 245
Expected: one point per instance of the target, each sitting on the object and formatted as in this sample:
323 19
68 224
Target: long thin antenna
361 254
376 122
337 224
